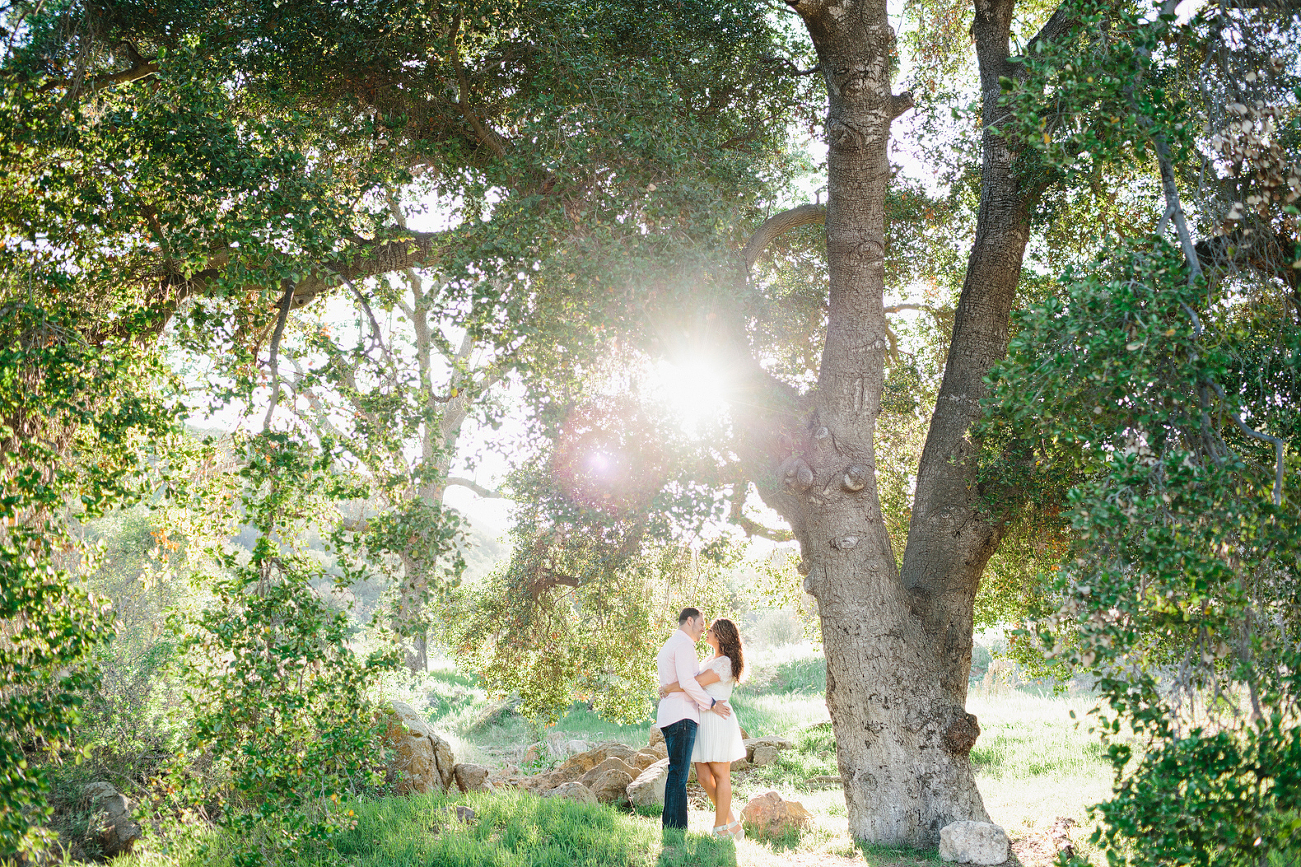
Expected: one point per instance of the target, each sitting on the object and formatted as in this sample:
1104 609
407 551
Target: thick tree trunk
902 742
950 540
898 646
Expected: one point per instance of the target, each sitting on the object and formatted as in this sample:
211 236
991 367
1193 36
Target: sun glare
695 391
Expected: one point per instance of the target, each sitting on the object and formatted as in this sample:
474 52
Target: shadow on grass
512 829
681 849
877 855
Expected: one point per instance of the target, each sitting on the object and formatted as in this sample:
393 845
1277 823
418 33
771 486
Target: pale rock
422 761
572 792
471 778
614 749
656 736
577 765
110 823
660 749
751 744
648 789
768 814
741 765
764 755
611 764
973 843
826 782
575 746
611 786
645 758
539 783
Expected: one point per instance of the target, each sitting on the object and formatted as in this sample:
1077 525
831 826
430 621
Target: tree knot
961 734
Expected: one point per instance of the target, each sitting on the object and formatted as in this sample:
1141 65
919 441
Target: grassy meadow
1032 762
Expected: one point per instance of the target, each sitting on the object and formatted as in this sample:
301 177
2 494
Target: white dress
718 739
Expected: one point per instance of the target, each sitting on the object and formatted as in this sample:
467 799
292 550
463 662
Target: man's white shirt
677 662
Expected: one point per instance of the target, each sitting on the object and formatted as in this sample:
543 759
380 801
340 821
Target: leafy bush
1183 594
278 697
74 423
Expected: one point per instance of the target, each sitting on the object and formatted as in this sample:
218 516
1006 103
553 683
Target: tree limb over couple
697 722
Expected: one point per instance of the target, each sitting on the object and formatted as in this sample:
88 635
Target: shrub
278 698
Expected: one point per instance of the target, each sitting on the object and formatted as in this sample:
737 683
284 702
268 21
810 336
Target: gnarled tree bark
898 642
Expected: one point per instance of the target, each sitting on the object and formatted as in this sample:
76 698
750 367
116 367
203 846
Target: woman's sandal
733 830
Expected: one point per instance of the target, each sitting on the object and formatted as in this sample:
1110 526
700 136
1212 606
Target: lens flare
695 389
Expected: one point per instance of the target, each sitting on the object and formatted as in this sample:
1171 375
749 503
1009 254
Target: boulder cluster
615 773
422 761
609 773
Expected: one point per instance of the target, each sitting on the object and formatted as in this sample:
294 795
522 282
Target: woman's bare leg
705 776
722 797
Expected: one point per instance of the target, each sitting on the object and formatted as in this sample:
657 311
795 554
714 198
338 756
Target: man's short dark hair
688 614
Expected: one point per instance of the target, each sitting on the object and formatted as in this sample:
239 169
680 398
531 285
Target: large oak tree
217 161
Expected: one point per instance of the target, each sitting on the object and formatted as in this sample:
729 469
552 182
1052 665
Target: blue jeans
679 737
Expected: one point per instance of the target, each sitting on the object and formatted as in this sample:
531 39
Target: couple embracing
696 720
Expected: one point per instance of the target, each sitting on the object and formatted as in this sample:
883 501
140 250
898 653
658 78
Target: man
678 714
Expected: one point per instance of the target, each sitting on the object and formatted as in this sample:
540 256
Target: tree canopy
587 189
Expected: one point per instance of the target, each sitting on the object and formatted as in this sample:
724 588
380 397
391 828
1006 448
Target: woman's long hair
729 645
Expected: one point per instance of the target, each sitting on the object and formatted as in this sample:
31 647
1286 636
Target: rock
648 789
741 765
645 758
573 792
422 761
462 813
539 783
611 764
973 843
763 755
471 778
532 754
577 765
744 735
661 749
110 826
614 749
611 786
827 782
776 743
768 814
572 747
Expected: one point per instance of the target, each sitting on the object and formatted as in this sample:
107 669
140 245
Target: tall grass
510 829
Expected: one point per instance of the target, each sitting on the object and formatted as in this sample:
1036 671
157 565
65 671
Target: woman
718 740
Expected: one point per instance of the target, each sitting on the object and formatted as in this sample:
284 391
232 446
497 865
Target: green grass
1032 765
1024 735
800 671
876 855
510 829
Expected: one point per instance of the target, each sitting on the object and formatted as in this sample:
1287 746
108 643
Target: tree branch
791 67
479 489
1065 18
752 527
285 303
1263 437
777 225
140 69
369 259
487 136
